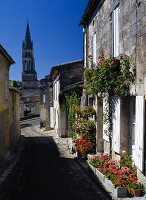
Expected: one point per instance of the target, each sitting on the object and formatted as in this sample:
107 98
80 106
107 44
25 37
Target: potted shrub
90 126
88 111
85 145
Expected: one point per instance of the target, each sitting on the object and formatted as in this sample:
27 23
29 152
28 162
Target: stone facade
14 117
101 20
62 77
9 106
46 103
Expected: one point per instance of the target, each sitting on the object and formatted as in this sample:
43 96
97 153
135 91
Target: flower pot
90 130
114 63
135 192
120 192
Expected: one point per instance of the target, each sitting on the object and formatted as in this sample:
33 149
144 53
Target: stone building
46 104
119 27
14 116
63 78
9 106
30 84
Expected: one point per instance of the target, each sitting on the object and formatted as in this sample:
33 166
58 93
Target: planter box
90 156
120 192
93 169
117 192
100 176
109 185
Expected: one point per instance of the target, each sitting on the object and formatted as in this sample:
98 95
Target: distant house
64 77
9 106
118 27
46 103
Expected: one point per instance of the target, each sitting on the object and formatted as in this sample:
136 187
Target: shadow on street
43 173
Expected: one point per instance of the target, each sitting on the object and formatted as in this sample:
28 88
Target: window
94 48
44 98
115 34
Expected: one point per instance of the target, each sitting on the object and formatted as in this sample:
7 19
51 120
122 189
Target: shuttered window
139 132
105 121
116 123
115 34
94 48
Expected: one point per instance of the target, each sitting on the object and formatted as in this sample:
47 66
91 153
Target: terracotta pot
90 129
114 63
136 192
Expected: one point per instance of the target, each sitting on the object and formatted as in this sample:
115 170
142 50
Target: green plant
110 77
128 162
88 111
73 101
106 79
89 123
118 173
85 144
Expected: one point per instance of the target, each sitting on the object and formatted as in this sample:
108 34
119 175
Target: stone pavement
43 170
84 165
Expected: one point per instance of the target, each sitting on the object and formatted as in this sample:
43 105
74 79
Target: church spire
27 41
27 34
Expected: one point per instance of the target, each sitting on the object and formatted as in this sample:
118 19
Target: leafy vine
73 101
110 77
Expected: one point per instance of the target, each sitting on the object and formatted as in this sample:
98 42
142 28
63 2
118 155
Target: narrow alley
44 171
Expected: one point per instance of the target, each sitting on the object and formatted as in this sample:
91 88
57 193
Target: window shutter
139 132
94 48
44 98
116 123
105 122
115 22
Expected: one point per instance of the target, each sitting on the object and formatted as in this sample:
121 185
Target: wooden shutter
44 98
51 117
94 48
139 132
115 21
116 123
105 122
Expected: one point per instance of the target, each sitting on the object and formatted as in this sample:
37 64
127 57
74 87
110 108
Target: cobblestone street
44 171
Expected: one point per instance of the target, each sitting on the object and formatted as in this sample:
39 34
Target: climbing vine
110 77
73 101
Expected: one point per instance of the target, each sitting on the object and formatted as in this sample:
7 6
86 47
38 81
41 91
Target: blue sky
54 30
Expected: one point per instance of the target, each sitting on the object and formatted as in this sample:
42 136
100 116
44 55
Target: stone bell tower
29 75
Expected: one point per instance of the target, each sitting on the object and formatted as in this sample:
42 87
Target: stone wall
132 41
4 105
132 30
71 73
14 118
9 106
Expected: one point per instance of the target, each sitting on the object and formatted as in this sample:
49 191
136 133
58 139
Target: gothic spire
27 41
